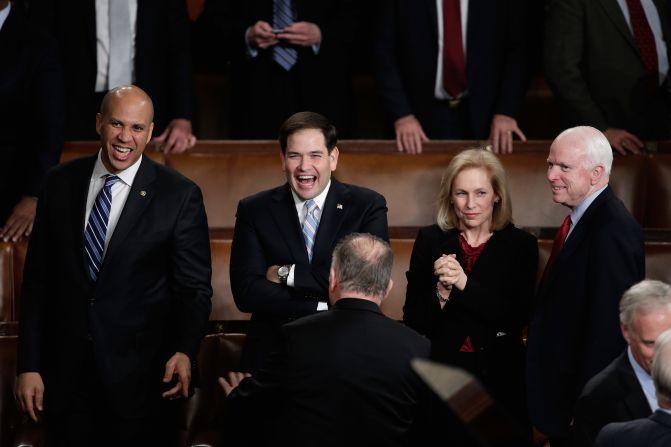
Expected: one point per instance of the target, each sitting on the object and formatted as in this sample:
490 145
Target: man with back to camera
624 390
342 376
284 237
116 290
598 254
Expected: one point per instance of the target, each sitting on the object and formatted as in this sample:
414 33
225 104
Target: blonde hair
502 214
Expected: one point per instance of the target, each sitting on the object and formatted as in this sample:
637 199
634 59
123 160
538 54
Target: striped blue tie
310 226
96 228
283 54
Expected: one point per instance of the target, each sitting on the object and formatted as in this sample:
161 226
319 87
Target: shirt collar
4 13
645 380
578 210
127 175
320 199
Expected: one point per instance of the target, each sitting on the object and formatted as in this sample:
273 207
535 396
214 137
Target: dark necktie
645 39
96 228
283 16
454 64
560 237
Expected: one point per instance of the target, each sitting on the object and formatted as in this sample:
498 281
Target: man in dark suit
264 92
624 390
341 377
600 76
410 64
31 118
284 237
161 63
575 332
116 289
655 431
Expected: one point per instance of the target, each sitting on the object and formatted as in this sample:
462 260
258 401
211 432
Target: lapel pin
143 193
339 206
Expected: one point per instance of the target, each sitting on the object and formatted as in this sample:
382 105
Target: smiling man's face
307 163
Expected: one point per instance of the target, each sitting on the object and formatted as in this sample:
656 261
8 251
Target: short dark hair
362 263
308 120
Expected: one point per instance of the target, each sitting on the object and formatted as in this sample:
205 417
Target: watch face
283 271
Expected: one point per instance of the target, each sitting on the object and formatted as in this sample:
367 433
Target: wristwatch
283 273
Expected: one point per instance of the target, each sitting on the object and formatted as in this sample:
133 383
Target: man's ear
597 173
99 122
333 280
625 332
389 287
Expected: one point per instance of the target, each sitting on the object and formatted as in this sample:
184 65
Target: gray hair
594 145
362 263
645 296
661 367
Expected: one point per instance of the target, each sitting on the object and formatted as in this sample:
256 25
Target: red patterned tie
560 237
454 64
645 39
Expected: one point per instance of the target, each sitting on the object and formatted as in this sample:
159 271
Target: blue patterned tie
310 226
283 54
96 228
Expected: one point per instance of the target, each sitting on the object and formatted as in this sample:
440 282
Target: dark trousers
91 420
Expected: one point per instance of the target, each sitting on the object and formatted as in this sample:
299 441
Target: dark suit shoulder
261 198
607 210
360 193
169 175
607 382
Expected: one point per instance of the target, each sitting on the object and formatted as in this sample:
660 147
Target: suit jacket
31 117
162 58
654 431
151 299
492 309
575 330
596 72
340 377
406 52
613 395
264 94
267 232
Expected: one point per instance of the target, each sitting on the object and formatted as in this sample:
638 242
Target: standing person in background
598 254
287 56
116 42
452 69
471 279
607 62
284 237
31 118
624 390
116 290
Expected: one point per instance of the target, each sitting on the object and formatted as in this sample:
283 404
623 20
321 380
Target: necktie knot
110 180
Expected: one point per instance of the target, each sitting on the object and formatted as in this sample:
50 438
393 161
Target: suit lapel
432 16
139 197
283 212
335 211
615 14
77 200
634 399
578 234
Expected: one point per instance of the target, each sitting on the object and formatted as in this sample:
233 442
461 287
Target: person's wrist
283 273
